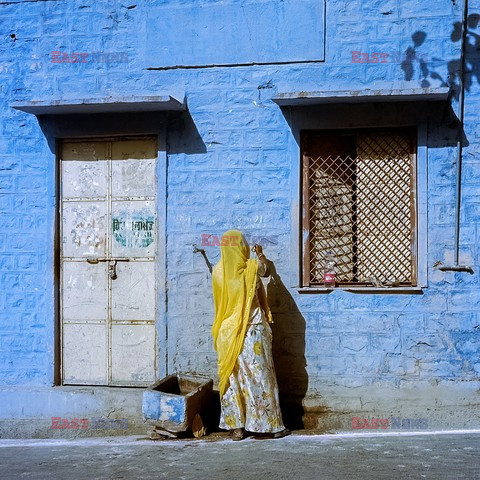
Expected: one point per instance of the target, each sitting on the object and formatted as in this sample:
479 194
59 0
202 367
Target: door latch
112 264
112 269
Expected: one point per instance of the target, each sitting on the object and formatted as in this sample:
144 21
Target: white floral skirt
251 400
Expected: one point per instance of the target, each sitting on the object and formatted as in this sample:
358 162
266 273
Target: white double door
108 261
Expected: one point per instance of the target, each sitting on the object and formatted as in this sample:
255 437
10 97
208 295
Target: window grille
359 204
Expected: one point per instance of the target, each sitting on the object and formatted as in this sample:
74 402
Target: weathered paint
173 402
134 229
234 160
163 408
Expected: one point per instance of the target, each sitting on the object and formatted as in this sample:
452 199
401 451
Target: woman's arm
263 268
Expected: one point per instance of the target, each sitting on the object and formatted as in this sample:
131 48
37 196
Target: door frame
161 343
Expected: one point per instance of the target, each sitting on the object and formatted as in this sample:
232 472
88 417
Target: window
359 203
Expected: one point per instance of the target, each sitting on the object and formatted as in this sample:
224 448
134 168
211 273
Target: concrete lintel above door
103 105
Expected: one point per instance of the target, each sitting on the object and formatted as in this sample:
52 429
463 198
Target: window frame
298 242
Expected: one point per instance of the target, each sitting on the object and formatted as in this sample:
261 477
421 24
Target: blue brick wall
241 175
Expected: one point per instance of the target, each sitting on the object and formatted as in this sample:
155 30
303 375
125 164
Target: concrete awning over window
103 105
360 96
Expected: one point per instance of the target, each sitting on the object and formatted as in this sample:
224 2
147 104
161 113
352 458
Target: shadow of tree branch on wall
428 70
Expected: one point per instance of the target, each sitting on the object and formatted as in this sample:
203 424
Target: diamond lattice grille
360 207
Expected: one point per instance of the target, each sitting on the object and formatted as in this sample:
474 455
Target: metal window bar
359 203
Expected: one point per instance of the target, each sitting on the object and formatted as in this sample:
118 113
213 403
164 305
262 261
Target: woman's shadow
288 350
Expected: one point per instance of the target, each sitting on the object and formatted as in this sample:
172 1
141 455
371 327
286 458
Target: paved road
435 456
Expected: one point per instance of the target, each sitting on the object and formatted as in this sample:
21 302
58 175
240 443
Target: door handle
94 261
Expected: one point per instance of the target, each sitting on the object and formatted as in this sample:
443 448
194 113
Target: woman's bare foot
238 434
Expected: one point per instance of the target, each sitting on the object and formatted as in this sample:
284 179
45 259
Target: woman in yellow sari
243 340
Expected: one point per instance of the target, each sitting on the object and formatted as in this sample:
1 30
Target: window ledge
386 290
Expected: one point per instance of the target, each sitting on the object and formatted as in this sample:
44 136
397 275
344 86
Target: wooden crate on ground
172 403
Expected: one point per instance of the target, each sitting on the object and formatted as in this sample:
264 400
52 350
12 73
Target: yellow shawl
233 282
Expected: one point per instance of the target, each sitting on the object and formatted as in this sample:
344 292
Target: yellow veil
233 282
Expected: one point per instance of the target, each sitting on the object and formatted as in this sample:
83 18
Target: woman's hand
263 269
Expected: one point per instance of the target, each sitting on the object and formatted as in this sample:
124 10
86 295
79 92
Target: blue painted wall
236 165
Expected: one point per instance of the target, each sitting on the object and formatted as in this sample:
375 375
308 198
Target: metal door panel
86 362
84 292
138 149
85 151
84 229
133 168
132 359
134 228
133 295
133 178
84 179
